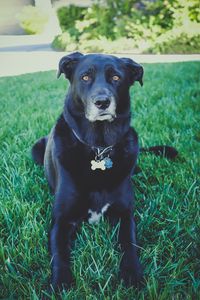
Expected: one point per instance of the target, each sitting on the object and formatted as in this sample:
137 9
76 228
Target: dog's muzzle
101 107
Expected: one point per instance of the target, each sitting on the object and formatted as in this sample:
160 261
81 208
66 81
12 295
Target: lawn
165 111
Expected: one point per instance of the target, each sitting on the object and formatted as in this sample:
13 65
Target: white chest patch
94 216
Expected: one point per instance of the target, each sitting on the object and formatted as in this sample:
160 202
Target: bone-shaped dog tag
98 165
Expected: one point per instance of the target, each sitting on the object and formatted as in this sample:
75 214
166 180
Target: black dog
90 156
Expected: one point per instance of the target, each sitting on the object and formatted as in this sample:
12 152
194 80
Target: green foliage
144 24
67 17
178 40
167 43
165 111
69 14
64 42
32 20
194 10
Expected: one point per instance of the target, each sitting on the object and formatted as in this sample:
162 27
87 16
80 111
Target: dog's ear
68 63
136 70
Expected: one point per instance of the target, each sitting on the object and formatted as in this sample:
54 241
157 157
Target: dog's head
100 83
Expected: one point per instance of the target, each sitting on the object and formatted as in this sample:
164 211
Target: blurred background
129 26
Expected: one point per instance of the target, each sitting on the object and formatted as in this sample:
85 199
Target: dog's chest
95 216
99 204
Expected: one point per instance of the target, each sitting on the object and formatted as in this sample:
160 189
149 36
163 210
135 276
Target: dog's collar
98 149
102 158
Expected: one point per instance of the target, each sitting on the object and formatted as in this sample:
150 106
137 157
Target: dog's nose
102 103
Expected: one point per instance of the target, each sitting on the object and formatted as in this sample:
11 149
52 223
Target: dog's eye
86 78
115 78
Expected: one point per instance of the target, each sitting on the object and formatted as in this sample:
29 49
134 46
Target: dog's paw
131 272
61 279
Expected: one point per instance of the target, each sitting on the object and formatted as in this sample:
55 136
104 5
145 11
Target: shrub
178 40
131 26
166 43
102 44
67 18
69 14
64 42
32 20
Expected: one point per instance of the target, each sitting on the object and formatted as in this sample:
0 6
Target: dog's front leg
130 267
60 244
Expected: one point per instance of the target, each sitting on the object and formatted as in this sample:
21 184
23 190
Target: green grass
165 111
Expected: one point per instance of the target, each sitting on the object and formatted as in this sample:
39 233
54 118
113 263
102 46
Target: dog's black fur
96 115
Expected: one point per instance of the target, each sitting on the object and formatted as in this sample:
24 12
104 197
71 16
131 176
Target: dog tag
108 162
98 165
